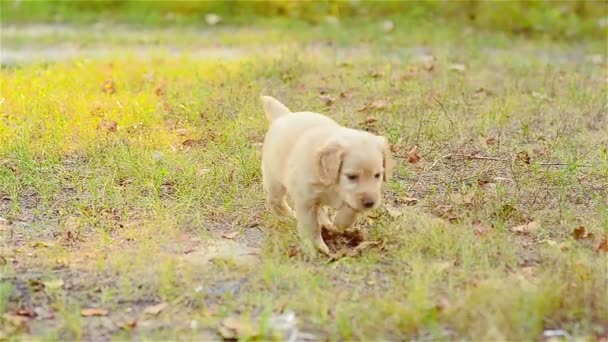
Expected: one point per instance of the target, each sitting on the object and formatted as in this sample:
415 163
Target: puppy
318 164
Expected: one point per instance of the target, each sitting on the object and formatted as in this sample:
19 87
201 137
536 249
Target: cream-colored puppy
319 163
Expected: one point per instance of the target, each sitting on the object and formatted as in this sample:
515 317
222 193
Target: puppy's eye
377 175
352 177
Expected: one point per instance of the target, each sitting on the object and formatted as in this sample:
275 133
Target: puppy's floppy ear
329 162
387 158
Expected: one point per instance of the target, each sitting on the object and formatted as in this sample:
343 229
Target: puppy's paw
321 246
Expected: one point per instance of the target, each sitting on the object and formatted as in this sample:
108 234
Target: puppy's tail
273 108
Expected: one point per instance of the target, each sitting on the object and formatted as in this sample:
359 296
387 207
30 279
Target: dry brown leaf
369 121
410 200
234 328
155 309
128 324
376 104
526 228
392 211
412 155
230 235
491 141
581 232
90 312
108 87
193 142
26 313
327 100
107 126
523 157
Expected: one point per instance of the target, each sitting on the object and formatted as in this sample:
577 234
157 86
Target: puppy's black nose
368 203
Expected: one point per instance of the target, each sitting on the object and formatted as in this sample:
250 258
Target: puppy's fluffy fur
319 163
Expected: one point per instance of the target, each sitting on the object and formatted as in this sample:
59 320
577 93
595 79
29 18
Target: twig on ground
474 157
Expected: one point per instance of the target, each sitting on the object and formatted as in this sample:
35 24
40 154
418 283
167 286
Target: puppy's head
356 164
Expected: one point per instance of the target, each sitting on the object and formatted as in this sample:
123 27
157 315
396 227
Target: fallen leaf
127 324
369 121
412 155
457 67
602 247
155 309
580 233
393 212
376 104
193 142
526 228
53 284
235 328
160 91
230 235
26 313
212 19
327 100
108 87
523 157
410 200
107 126
491 141
90 312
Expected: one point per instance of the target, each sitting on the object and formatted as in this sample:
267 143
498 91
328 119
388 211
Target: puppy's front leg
309 228
345 218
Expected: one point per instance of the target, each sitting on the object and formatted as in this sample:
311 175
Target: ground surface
132 208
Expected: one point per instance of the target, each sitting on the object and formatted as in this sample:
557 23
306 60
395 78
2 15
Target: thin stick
468 156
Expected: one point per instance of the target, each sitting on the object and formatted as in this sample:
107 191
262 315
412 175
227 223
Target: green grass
120 175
